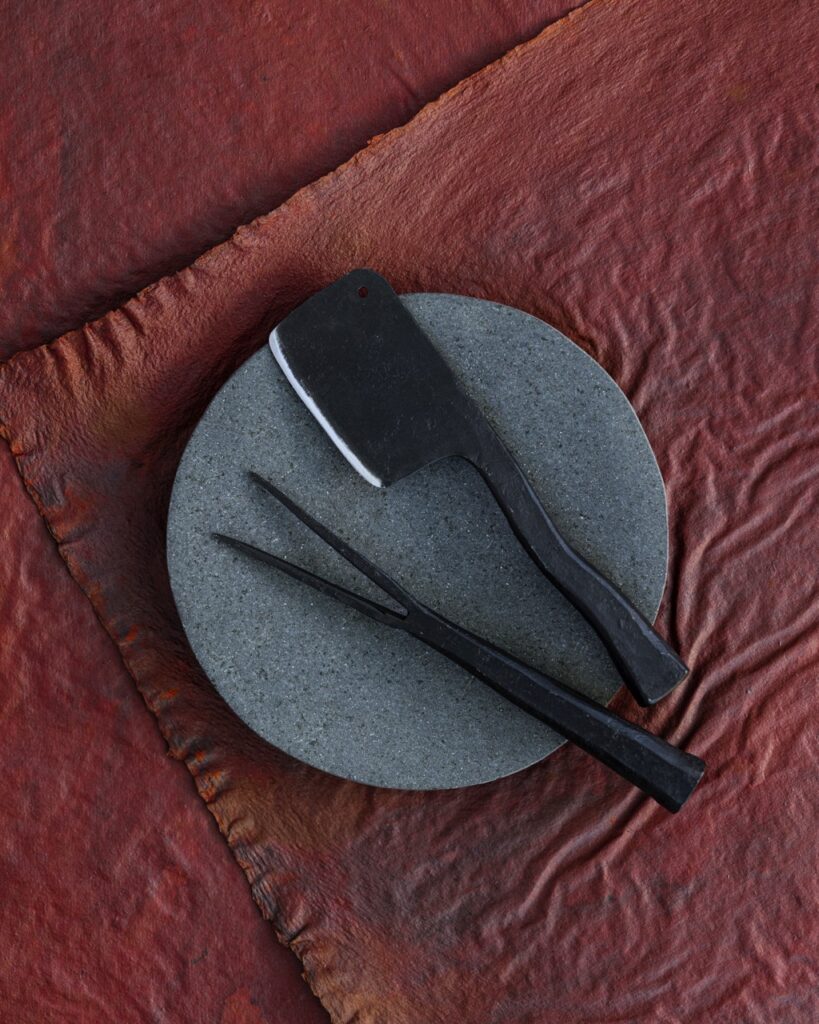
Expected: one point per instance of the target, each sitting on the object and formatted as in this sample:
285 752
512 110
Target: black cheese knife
391 404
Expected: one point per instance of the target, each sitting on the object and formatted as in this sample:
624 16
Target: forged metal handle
664 772
649 667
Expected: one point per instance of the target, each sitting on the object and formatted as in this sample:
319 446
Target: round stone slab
351 696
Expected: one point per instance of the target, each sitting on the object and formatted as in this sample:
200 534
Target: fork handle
664 772
649 667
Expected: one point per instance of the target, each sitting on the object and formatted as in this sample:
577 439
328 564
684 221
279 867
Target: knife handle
649 667
664 772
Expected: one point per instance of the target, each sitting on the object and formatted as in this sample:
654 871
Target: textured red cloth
638 175
134 137
118 902
130 140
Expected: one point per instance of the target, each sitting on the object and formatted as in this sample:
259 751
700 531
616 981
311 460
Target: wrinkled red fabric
129 142
639 176
133 138
116 903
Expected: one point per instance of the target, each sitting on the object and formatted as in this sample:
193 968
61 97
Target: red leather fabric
130 140
133 138
638 175
118 902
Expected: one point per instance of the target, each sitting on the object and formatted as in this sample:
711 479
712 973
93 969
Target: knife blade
391 404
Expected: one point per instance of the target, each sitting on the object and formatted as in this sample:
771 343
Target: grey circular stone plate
353 697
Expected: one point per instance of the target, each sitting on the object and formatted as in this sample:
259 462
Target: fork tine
364 565
361 604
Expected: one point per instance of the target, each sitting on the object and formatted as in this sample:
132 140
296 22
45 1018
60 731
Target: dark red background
639 176
134 137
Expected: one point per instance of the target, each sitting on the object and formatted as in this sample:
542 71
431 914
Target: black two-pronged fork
666 773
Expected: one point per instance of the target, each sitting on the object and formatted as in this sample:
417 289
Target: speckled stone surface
344 693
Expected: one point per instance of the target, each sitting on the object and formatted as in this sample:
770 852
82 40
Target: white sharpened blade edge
348 453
